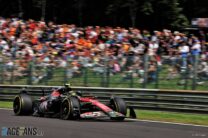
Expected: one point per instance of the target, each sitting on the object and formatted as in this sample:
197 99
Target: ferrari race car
72 106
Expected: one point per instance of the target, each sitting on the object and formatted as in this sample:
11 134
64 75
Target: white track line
167 123
149 121
5 109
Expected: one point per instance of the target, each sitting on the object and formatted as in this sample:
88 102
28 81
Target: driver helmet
67 87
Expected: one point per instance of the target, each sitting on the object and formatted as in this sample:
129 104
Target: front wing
100 114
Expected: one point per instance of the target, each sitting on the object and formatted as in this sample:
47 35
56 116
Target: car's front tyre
118 105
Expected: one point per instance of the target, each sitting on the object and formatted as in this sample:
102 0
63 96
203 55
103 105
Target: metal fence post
105 72
186 77
157 77
108 77
30 67
104 79
85 75
45 79
12 75
131 85
195 62
65 74
2 72
102 82
146 58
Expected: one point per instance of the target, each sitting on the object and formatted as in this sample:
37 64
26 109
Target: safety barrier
151 99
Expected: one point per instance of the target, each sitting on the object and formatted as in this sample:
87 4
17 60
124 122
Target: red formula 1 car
70 106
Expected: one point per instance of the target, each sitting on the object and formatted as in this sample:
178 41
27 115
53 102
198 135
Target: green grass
4 104
187 118
197 119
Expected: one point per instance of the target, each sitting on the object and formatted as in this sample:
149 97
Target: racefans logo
21 131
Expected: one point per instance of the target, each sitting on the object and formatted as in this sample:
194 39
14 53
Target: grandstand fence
169 75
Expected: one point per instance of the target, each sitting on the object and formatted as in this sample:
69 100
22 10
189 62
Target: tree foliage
139 13
171 13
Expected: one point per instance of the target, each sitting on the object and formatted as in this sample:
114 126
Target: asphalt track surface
56 128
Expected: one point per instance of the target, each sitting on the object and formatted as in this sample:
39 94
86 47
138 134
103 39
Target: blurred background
146 14
120 43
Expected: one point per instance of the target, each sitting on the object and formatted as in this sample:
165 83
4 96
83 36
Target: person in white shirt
196 48
184 50
153 46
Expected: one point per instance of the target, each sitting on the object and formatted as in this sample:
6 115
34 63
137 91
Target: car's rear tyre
22 105
70 109
118 105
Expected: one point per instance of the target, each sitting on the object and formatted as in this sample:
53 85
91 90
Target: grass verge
4 104
187 118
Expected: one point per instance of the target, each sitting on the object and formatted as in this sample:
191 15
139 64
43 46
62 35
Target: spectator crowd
121 50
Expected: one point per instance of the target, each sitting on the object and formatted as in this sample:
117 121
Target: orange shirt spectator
12 31
126 47
39 47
